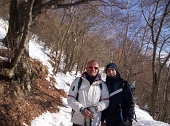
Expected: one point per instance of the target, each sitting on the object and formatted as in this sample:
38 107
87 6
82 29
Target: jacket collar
98 77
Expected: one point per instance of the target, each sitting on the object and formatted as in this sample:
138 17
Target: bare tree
21 15
156 15
17 25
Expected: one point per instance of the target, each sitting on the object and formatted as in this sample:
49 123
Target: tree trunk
164 113
9 40
22 41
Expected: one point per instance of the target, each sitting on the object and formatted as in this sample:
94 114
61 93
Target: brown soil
15 110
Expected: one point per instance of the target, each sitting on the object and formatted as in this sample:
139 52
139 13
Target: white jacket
88 96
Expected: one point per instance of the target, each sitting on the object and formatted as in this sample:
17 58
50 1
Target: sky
63 117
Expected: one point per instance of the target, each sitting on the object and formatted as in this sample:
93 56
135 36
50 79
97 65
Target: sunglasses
96 68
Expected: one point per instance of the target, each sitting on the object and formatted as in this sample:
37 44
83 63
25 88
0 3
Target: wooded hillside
134 35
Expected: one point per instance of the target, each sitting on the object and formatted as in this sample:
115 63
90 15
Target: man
90 99
121 107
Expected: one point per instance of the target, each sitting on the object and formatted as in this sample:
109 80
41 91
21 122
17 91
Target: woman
120 111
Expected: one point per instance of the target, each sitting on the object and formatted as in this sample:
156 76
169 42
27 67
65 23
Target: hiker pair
106 97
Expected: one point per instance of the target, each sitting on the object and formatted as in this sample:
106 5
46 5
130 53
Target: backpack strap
123 84
100 86
79 85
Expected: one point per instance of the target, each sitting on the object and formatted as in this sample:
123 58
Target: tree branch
56 4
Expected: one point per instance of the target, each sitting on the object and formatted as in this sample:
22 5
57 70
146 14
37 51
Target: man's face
111 72
92 69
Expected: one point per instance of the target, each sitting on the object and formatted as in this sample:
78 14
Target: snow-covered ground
63 117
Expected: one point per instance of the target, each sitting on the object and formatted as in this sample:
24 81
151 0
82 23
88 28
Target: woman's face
111 72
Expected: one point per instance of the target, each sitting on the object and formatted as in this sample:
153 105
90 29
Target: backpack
132 88
131 85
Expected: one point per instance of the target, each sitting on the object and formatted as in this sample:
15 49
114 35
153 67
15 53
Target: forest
133 34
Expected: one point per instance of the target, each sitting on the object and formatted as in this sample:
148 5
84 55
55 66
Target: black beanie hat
112 65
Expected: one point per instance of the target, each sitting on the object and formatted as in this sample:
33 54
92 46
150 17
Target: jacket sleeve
130 105
104 102
71 99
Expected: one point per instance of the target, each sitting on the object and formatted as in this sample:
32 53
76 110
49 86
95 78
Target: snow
63 117
3 28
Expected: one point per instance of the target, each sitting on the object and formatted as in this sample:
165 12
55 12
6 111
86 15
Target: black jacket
120 101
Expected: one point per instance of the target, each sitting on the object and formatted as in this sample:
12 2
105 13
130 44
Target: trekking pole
87 121
90 121
121 115
85 124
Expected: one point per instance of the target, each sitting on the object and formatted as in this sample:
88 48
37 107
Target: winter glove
82 110
126 122
93 109
130 120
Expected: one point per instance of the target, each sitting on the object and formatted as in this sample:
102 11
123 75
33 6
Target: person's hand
126 122
103 123
86 112
93 109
